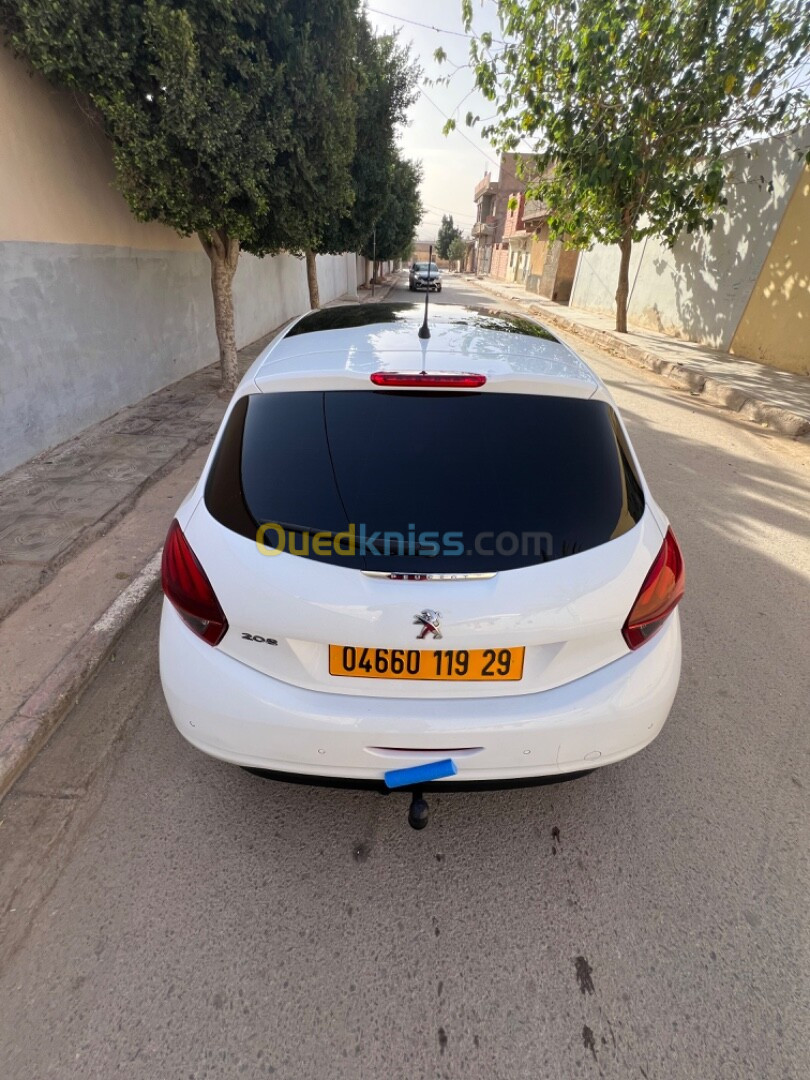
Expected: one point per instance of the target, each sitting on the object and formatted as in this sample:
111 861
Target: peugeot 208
408 550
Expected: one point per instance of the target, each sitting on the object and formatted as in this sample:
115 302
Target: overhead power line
428 26
466 219
457 128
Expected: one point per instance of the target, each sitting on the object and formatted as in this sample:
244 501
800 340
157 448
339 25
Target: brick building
495 223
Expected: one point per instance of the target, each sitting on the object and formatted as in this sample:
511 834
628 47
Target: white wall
275 288
87 329
699 289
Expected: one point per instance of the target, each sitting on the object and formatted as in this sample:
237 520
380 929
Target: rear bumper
234 713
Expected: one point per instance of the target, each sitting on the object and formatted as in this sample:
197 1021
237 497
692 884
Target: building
421 250
551 265
495 223
468 263
518 240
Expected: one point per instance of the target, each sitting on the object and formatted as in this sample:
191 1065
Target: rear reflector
186 585
465 380
661 592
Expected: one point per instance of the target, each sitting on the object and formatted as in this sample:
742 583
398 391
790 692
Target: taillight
662 590
186 585
464 380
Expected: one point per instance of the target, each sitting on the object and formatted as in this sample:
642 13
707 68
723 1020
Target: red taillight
465 380
662 590
186 585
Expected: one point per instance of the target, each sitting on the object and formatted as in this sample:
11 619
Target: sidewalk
779 399
81 531
381 291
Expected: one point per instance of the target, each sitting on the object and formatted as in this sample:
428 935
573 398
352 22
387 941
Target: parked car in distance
405 551
424 275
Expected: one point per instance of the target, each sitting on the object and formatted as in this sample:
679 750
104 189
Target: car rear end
382 568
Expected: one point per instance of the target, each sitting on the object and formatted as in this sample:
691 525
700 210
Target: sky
453 164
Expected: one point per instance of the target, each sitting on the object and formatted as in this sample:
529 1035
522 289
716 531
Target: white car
412 558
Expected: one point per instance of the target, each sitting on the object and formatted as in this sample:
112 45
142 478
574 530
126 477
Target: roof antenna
424 329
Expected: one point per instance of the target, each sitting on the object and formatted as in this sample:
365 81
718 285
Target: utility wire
447 210
434 211
458 129
428 26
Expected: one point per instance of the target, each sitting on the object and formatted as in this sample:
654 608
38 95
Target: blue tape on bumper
420 774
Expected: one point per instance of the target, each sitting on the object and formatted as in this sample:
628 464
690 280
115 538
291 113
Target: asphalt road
648 921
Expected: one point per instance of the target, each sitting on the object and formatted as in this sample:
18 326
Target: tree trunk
223 252
312 279
623 288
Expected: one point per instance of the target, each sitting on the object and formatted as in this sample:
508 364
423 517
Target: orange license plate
438 665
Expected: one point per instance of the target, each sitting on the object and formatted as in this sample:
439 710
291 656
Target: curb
381 294
34 722
715 391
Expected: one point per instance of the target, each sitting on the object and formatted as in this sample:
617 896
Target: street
649 920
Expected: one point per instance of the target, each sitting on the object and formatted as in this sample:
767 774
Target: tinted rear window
425 482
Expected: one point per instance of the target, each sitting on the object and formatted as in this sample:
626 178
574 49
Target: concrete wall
96 309
775 327
700 289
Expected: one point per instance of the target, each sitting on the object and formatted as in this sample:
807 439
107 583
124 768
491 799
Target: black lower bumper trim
434 785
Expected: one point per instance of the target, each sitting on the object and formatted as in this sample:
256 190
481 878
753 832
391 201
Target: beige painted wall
775 327
56 172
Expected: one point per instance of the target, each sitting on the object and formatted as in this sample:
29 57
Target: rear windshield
424 482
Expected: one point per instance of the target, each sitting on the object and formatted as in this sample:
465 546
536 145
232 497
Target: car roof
340 347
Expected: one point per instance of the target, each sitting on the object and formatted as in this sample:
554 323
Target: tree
201 100
458 249
325 92
631 105
447 234
387 87
402 212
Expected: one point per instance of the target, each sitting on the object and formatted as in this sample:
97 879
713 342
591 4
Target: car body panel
240 715
345 359
568 613
584 699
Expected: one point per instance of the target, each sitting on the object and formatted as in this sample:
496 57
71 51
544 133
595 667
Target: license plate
437 665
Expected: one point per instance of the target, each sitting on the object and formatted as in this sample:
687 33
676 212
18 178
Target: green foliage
231 116
387 87
402 212
325 77
632 103
447 234
458 249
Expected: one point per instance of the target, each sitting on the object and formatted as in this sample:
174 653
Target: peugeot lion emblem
429 621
